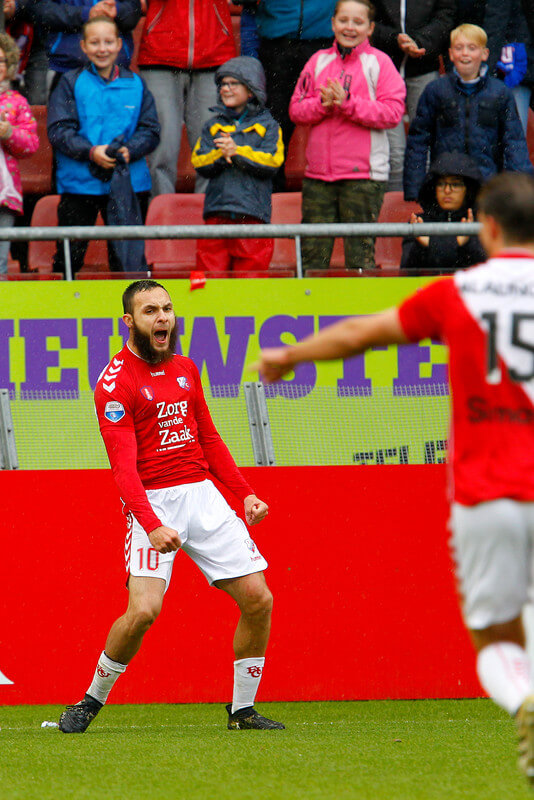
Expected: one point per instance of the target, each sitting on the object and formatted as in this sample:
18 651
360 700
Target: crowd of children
103 121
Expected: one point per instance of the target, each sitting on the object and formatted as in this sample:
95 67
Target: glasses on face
230 84
454 186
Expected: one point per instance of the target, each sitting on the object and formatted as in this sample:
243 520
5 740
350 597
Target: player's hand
470 218
100 157
165 540
273 364
423 240
255 509
125 153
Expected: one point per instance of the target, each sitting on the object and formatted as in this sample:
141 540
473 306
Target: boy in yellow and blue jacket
240 150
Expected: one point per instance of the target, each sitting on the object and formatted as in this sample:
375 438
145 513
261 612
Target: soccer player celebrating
486 317
161 441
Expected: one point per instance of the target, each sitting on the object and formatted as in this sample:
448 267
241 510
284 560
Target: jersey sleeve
216 453
114 409
423 314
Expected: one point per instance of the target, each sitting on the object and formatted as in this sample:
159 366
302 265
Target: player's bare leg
123 642
255 602
144 605
504 671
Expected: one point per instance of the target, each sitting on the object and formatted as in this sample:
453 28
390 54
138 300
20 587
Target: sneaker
248 718
76 719
525 730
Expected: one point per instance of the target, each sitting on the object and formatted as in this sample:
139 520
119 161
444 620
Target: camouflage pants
356 200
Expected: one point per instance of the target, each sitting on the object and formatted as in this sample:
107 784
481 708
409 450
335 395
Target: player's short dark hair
509 199
136 287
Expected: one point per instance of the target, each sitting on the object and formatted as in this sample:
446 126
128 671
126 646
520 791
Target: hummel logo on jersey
114 411
182 382
110 373
155 374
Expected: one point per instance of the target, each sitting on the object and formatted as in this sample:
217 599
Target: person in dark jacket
18 15
239 150
448 194
290 31
61 23
414 33
88 110
511 50
466 111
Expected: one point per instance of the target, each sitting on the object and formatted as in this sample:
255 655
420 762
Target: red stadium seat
388 250
40 254
178 257
287 210
295 163
173 209
36 170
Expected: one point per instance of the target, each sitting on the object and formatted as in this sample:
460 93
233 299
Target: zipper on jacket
191 49
467 113
223 26
155 21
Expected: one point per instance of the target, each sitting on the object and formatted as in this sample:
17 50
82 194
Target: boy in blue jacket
466 111
90 108
240 150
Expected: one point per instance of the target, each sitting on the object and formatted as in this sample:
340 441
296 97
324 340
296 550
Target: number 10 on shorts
148 558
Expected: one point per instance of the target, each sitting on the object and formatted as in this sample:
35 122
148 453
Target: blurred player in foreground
486 317
161 441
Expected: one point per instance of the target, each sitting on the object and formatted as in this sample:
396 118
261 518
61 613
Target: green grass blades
376 750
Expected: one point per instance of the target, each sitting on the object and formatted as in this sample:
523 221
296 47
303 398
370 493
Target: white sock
247 676
503 669
106 673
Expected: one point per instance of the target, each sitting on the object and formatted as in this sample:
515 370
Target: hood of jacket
246 70
458 164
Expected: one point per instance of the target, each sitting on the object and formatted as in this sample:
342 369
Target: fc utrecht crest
182 382
3 680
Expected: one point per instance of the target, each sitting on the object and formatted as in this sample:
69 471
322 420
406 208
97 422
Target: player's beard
148 352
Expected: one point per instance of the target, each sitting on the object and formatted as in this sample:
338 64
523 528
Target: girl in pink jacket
350 95
18 138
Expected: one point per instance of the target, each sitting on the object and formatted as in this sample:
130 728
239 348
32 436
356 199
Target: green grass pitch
375 750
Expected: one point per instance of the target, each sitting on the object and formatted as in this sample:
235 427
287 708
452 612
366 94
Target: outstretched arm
349 337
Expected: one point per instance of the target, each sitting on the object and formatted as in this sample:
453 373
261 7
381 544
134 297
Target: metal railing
264 231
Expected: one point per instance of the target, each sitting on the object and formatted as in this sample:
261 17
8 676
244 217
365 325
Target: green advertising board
390 406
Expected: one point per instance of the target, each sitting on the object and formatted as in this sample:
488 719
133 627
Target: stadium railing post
259 425
8 449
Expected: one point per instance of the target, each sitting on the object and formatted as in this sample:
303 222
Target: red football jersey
158 431
486 317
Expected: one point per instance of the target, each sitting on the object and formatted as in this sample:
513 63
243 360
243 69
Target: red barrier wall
365 603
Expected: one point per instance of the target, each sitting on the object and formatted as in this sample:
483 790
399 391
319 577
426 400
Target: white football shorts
492 545
211 532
